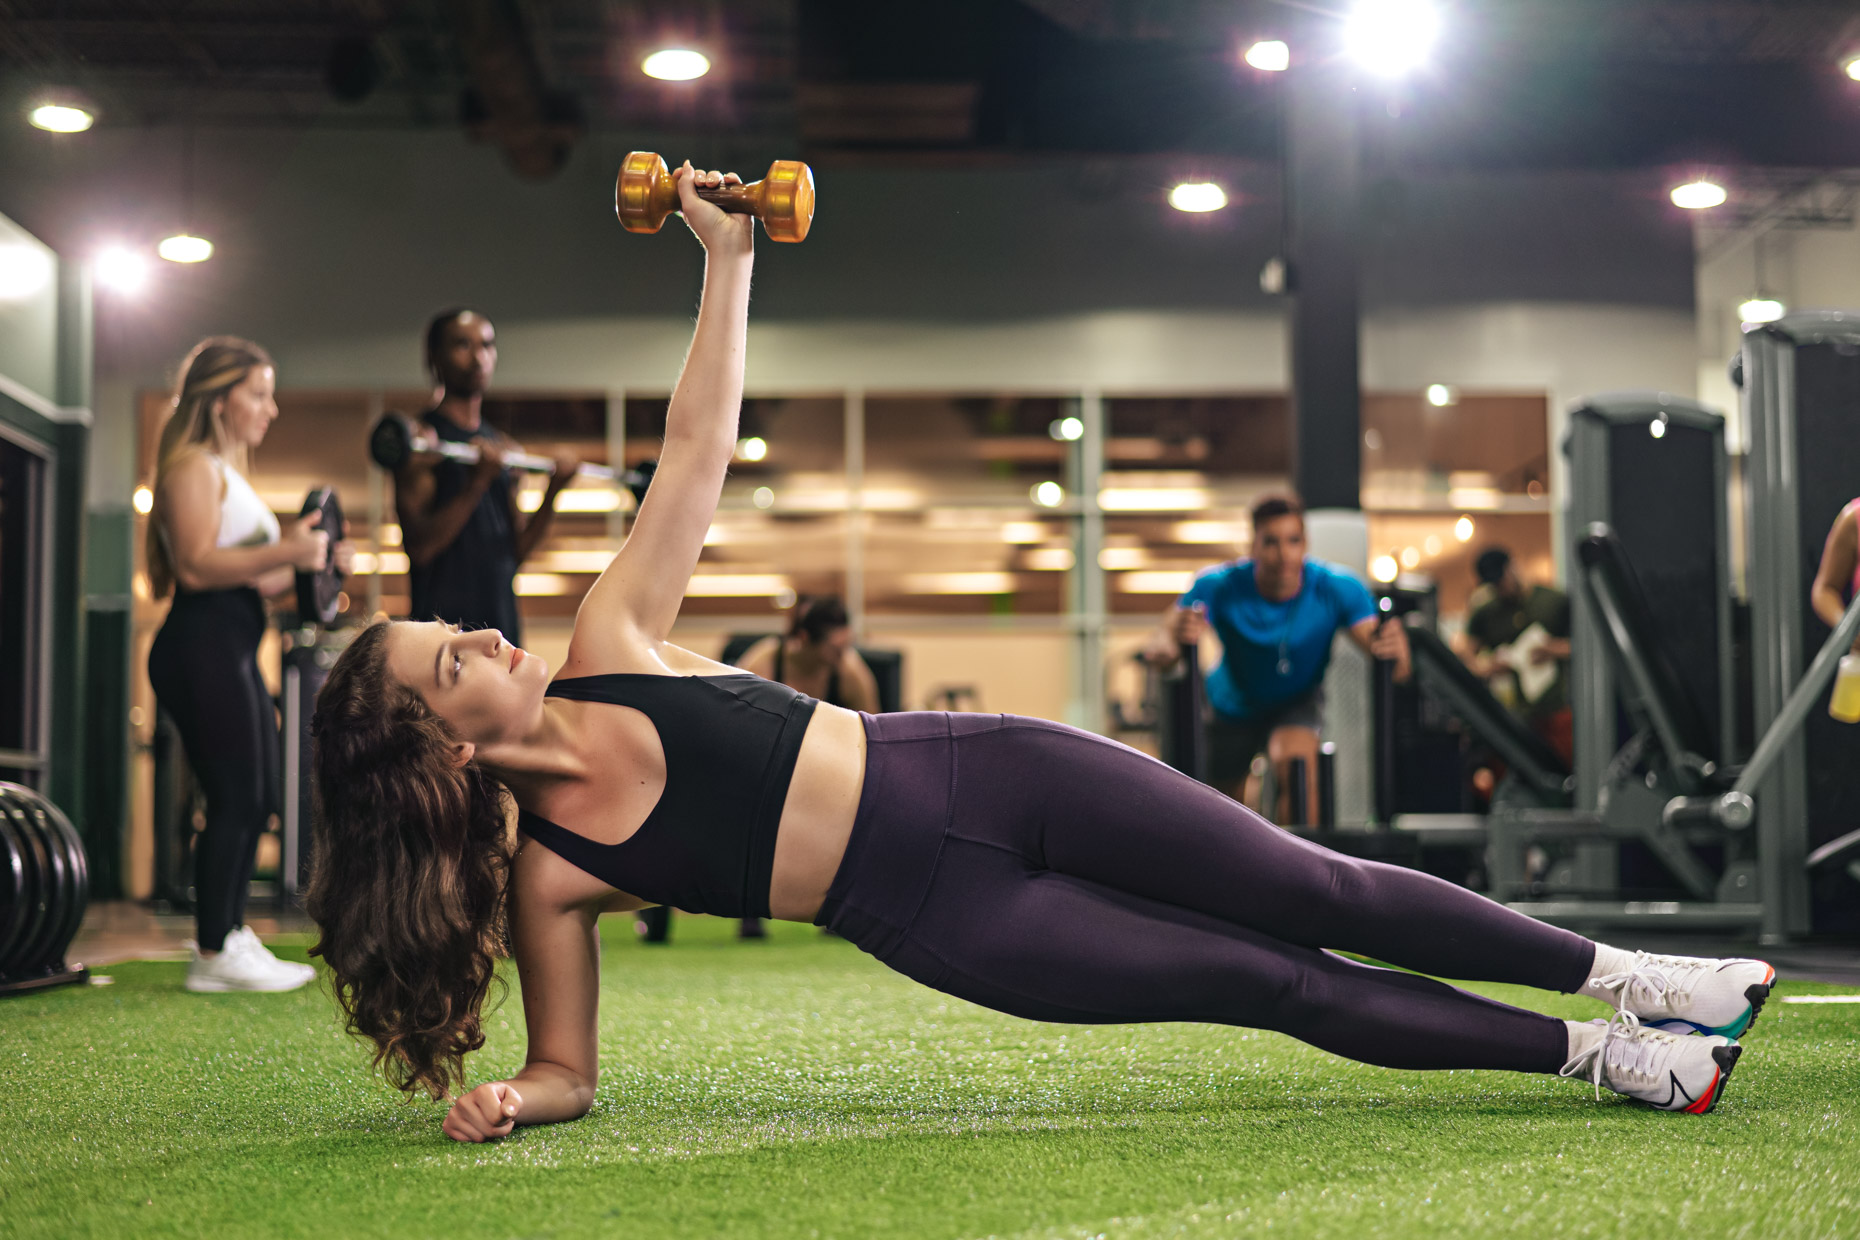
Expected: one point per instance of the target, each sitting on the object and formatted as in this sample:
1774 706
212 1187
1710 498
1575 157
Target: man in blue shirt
1275 614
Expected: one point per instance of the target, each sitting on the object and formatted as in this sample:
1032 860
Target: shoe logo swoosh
1676 1091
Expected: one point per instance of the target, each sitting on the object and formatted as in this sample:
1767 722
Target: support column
1084 475
854 437
1322 252
1323 255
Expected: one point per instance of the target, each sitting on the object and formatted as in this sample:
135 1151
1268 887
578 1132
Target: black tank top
730 746
470 583
832 697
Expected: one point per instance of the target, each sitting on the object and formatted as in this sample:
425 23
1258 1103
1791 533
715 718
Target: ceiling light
1384 568
676 64
1066 429
1391 37
1761 310
143 500
1439 395
1463 529
1410 556
1698 195
121 270
753 448
1048 494
1657 427
1852 68
24 271
1270 55
1198 196
762 497
61 118
185 248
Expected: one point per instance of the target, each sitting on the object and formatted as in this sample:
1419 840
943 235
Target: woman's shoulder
192 466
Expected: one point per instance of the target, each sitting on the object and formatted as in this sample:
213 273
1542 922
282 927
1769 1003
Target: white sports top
245 519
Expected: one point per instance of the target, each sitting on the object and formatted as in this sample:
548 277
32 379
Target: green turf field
796 1088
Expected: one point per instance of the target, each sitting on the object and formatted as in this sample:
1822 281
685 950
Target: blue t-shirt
1273 651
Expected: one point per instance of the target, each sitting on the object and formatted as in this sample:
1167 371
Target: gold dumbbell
783 200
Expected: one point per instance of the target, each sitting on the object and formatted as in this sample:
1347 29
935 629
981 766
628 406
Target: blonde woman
219 548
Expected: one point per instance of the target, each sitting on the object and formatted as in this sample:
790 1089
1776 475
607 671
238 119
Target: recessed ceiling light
1391 37
1198 196
1269 55
1852 67
1761 310
1699 195
676 64
61 118
121 270
185 248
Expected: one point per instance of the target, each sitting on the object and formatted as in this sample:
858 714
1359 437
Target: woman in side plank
1020 864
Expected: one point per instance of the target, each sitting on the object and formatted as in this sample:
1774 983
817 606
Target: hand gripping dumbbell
783 200
396 439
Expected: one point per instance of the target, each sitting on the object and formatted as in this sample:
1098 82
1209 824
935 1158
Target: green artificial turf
796 1088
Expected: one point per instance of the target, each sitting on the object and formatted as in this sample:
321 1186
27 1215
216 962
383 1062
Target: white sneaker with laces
1688 994
252 945
237 967
1671 1071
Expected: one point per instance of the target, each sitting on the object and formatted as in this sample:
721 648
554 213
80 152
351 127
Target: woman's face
486 689
250 408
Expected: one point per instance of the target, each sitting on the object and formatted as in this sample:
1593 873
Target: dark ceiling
1517 83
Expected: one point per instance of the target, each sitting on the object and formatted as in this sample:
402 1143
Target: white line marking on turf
1821 998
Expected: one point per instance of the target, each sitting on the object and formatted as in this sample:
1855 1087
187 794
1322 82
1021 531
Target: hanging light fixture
184 246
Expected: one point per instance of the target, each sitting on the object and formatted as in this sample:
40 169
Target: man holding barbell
460 526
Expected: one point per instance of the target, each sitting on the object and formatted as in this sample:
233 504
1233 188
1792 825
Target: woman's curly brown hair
410 872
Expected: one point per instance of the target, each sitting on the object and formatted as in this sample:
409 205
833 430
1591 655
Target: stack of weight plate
44 886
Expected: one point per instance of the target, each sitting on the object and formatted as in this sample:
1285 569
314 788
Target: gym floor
794 1087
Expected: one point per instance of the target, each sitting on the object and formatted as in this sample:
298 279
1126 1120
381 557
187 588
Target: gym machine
1652 687
1800 389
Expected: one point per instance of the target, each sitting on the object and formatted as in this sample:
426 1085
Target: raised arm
638 597
188 506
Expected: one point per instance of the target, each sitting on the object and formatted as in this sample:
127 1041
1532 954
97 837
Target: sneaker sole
1726 1059
215 987
1756 995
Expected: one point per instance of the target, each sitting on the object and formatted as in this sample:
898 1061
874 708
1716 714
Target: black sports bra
730 746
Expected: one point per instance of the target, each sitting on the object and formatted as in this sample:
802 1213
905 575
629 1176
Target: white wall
1816 269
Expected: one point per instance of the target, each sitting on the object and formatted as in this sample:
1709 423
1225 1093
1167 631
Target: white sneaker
237 967
252 945
1688 994
1671 1071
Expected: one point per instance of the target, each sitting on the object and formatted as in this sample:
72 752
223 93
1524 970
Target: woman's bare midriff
817 820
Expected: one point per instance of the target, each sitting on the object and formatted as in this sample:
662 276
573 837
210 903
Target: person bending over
1276 614
1530 675
220 549
460 527
817 657
1837 580
1027 866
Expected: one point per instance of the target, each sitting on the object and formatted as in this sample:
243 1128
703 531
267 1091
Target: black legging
1052 874
204 666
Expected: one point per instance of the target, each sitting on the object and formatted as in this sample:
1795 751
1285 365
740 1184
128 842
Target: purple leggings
1052 874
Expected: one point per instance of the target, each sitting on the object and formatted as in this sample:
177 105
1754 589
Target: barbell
396 439
644 194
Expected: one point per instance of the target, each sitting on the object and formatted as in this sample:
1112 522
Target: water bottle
1844 702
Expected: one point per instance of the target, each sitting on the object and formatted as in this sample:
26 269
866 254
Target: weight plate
54 884
317 592
35 870
14 891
